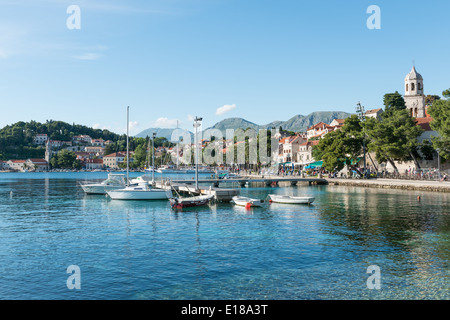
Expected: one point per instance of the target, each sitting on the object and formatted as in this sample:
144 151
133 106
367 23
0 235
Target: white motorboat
175 171
114 182
247 202
290 199
142 191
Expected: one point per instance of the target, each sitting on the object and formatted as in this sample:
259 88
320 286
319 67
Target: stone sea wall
434 186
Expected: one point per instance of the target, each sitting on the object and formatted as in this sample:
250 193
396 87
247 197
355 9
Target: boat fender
248 205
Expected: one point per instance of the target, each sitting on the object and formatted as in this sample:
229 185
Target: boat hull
248 202
178 203
291 200
154 194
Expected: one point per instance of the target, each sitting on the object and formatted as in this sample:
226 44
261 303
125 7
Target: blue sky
174 59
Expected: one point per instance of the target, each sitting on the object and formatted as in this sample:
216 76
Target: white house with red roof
115 159
37 165
16 165
319 130
304 154
93 164
288 148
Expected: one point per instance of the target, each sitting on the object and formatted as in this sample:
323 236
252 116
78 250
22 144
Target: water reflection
140 249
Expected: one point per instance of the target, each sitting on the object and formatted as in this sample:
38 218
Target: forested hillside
16 140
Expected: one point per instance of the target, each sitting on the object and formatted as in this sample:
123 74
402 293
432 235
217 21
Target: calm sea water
144 250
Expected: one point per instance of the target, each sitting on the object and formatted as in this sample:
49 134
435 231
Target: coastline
418 185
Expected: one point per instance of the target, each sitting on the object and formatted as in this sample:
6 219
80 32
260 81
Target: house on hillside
319 130
304 154
374 113
337 122
288 148
83 139
40 139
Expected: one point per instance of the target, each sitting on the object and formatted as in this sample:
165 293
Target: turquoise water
144 250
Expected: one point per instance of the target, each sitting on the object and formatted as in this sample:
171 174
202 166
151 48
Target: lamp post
153 157
197 124
362 117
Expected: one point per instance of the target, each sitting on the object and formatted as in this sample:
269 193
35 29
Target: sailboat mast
177 145
128 151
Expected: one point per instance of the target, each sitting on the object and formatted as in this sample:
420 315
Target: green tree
140 155
341 147
393 101
440 112
430 99
66 159
394 138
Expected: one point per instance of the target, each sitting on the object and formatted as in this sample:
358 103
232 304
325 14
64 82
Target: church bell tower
414 97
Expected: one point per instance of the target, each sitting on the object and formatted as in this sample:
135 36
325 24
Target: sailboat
140 191
196 201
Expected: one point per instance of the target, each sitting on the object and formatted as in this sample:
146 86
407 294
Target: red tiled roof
320 124
116 155
373 111
38 161
424 123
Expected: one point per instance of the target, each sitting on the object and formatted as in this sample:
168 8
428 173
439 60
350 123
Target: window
418 86
407 86
412 86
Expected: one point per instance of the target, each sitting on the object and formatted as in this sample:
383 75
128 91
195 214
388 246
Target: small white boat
290 199
114 182
180 203
140 191
247 202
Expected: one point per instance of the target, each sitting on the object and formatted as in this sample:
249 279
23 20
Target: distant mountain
160 133
234 123
301 123
298 123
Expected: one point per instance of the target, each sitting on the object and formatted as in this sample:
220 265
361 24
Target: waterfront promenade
420 185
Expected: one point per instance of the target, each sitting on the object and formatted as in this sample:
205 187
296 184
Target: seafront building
415 103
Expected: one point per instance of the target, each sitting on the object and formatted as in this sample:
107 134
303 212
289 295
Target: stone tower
414 97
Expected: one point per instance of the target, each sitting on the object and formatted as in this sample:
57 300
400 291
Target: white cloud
133 125
88 56
165 123
3 54
226 108
101 127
